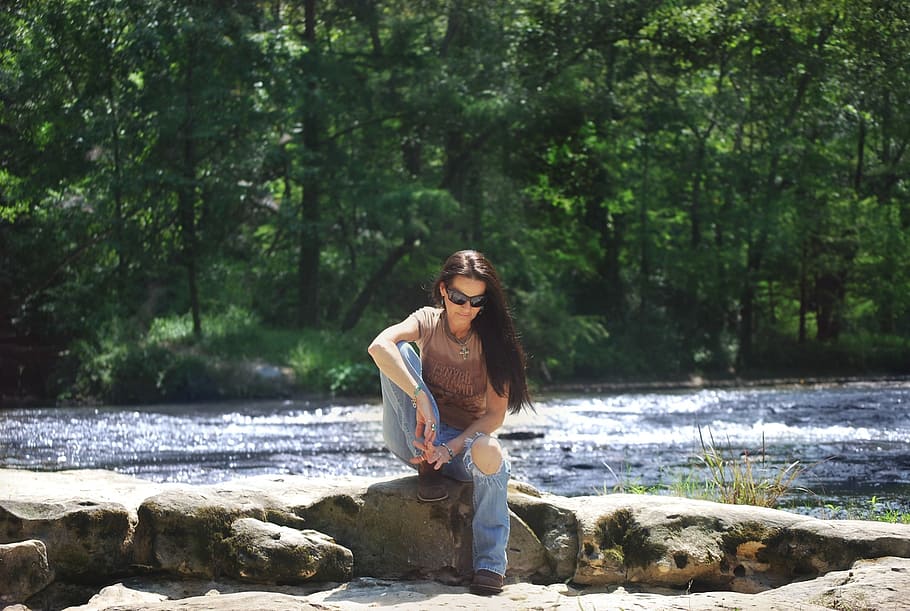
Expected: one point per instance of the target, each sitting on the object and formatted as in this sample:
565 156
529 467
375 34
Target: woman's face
461 316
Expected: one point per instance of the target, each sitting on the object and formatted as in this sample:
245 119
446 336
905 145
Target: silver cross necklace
464 351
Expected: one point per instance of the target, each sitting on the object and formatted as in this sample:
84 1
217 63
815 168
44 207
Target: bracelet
417 390
451 453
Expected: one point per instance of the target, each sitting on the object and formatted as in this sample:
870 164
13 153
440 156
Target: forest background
196 195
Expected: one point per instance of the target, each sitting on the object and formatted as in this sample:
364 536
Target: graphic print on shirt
453 388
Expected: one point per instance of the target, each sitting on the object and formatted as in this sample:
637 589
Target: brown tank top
459 383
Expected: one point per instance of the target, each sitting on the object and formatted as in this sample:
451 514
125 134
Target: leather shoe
486 583
430 484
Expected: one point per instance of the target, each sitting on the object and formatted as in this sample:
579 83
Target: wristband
417 390
451 453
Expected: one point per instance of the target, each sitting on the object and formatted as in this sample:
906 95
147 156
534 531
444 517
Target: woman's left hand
434 455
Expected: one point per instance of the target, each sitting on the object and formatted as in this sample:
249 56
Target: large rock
554 526
682 543
23 570
86 541
629 540
393 535
390 533
183 531
268 553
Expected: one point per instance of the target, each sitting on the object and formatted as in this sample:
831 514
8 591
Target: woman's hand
437 456
425 432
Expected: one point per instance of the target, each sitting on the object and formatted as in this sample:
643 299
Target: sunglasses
459 298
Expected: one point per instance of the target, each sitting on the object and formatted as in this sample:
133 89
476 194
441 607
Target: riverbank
262 381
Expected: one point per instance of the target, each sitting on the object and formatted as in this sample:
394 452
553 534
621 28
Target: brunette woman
440 409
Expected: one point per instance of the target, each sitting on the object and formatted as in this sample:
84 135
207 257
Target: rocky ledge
92 540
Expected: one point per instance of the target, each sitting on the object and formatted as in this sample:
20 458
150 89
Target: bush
137 373
188 378
851 354
354 379
560 346
324 360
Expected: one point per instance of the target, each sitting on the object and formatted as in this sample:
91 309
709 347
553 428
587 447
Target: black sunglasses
459 298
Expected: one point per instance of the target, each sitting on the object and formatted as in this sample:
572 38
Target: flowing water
853 440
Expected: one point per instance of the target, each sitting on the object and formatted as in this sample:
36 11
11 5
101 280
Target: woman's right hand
426 424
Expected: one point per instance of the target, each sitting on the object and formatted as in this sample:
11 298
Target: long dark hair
502 351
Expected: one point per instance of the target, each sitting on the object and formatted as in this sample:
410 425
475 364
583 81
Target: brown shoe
430 484
486 583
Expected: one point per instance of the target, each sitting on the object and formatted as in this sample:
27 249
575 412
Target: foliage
667 188
743 479
168 363
874 508
885 512
724 476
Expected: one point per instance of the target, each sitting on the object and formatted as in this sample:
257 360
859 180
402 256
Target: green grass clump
744 479
724 476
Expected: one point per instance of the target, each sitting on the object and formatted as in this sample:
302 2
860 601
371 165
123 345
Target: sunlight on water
855 437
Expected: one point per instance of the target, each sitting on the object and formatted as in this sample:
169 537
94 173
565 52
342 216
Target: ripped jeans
491 510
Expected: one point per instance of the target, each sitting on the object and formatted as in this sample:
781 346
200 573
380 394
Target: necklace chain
464 351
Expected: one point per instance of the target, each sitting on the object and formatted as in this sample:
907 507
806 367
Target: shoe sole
424 499
485 590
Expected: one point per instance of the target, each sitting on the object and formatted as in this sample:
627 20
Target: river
852 440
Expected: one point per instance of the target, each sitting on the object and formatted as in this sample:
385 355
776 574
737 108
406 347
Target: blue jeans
491 509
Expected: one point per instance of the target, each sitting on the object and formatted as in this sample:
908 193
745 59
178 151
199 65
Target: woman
441 408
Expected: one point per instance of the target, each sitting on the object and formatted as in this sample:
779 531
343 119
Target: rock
683 543
268 553
393 535
94 485
23 570
183 531
252 528
85 540
123 600
554 527
869 584
390 533
879 583
119 596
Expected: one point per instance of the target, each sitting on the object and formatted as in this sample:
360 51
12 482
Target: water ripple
855 438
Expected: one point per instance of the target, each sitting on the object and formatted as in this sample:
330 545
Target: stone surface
183 531
23 570
869 585
683 543
86 540
393 535
100 527
267 553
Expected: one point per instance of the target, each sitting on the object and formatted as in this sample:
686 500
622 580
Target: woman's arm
384 350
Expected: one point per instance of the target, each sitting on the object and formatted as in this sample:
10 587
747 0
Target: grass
740 478
874 509
167 362
725 477
744 479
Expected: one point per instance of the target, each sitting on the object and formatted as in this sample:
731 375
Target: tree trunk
186 197
309 236
803 296
363 298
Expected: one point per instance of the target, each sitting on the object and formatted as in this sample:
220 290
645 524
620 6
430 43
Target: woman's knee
487 455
